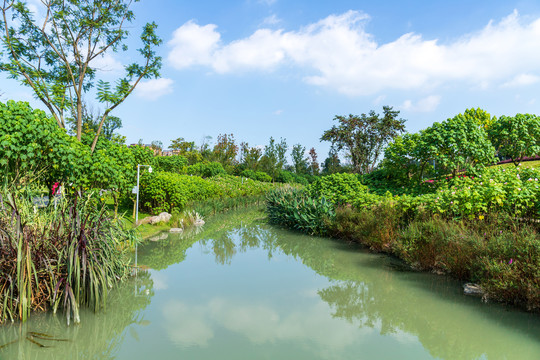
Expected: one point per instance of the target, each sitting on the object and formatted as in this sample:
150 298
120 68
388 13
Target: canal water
241 289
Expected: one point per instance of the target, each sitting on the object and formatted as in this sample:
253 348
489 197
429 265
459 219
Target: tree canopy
364 137
54 52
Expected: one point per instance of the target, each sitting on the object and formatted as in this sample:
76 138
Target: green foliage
256 175
509 268
206 169
142 155
65 256
34 149
175 163
296 210
225 150
516 137
512 191
274 159
376 226
338 188
300 161
47 55
162 191
364 137
459 143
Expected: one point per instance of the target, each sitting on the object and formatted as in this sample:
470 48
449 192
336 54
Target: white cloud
522 80
193 44
278 112
193 325
154 89
426 104
338 53
271 20
107 63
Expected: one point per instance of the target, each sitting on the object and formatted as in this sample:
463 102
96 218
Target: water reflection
98 337
365 292
242 289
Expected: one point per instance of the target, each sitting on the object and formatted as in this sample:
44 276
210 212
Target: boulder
473 289
163 217
176 230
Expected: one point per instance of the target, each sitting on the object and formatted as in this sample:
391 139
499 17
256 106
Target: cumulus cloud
522 80
337 52
427 104
154 89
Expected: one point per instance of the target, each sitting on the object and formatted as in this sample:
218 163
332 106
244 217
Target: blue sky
261 68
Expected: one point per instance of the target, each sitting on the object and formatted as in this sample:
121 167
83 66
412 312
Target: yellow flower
481 217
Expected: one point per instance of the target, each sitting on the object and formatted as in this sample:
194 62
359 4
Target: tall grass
62 257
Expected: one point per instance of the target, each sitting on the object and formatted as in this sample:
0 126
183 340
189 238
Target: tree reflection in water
368 290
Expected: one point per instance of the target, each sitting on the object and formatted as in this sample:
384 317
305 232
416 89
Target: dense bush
174 164
338 188
60 257
162 191
206 170
256 175
514 191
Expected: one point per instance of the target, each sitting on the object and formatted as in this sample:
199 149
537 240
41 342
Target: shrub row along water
164 191
64 256
482 229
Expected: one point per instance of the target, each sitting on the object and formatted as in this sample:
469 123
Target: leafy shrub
376 227
174 164
339 189
512 191
162 191
233 187
256 175
293 208
206 170
285 177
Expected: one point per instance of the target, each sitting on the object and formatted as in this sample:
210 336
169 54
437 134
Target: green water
241 289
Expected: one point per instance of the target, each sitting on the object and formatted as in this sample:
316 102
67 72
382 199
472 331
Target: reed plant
64 256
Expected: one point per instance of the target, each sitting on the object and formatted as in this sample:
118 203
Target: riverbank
494 249
195 210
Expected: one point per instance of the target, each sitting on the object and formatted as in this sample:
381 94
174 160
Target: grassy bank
485 242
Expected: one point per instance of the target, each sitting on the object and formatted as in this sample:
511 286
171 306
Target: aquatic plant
61 257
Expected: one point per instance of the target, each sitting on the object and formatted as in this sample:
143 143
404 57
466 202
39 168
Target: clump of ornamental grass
64 256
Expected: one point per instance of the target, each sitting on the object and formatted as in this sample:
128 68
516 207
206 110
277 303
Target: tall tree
332 164
250 156
364 137
225 150
300 161
274 158
183 146
55 53
314 164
